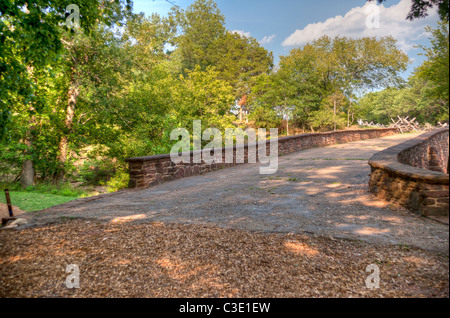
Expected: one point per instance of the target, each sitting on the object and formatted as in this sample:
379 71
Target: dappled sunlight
129 218
13 259
179 270
112 230
372 231
300 248
124 262
329 172
66 252
202 276
392 219
312 191
366 201
173 268
419 261
357 217
334 185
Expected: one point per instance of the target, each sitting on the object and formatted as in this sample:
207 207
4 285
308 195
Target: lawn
32 201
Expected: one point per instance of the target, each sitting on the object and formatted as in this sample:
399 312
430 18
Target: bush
119 181
96 172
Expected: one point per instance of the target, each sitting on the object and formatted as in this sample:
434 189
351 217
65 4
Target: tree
204 41
201 27
240 60
31 33
425 96
31 36
328 67
204 95
435 69
419 8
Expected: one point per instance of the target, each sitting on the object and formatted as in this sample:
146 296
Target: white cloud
267 39
392 21
241 32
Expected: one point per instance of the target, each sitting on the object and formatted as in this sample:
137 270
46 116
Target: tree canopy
74 103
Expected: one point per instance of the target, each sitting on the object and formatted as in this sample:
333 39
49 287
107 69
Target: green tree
32 42
435 69
240 61
204 41
334 68
201 27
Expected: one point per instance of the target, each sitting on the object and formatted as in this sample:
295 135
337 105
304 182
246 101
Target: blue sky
282 25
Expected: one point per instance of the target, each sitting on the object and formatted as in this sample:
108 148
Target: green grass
41 196
65 189
32 201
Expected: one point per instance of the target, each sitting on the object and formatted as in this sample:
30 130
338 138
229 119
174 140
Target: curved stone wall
151 170
414 173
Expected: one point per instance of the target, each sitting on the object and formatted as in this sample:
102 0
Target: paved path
321 191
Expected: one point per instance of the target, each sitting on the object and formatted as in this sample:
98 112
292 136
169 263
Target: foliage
119 181
101 94
30 37
435 69
309 75
426 95
265 117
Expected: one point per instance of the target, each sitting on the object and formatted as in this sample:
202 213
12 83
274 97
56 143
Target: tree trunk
242 102
287 126
348 114
70 114
334 118
27 175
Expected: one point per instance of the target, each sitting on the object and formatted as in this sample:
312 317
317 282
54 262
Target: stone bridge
321 191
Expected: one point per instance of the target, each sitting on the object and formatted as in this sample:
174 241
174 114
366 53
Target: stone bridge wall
414 173
151 170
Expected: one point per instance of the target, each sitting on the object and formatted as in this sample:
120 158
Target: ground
309 230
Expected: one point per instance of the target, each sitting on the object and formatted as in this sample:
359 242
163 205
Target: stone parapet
414 173
152 170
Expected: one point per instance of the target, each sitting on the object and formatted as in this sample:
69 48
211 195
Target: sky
282 25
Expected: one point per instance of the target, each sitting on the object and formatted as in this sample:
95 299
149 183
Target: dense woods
75 102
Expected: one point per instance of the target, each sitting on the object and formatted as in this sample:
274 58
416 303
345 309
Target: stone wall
414 173
151 170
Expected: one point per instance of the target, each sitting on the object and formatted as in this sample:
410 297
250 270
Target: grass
32 201
41 196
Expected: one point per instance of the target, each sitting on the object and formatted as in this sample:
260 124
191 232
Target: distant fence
152 170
